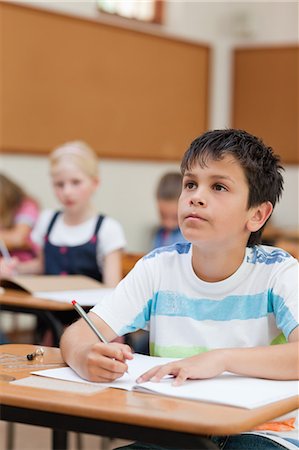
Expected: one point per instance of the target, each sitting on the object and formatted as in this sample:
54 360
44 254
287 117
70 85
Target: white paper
85 297
229 389
137 366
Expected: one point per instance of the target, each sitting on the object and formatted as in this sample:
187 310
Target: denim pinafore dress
74 260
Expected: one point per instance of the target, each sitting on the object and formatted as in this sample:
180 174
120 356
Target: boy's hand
106 362
205 365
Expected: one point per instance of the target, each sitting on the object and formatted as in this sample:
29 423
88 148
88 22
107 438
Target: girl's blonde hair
11 198
80 153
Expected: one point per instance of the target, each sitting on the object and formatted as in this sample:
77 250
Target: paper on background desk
85 297
228 389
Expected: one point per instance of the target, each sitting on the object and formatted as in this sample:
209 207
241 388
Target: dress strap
99 223
53 220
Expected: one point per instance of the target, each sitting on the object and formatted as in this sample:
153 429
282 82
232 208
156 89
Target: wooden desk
127 415
286 239
19 301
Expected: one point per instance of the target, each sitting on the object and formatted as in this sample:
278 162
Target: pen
84 316
4 250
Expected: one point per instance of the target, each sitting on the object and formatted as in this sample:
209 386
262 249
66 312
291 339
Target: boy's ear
259 215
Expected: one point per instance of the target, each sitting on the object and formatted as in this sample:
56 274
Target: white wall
127 191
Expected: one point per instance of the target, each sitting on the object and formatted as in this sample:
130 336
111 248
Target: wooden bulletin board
266 97
129 94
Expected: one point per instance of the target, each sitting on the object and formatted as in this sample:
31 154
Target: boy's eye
190 185
219 187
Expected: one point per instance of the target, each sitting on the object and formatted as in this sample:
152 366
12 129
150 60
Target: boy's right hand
106 362
8 268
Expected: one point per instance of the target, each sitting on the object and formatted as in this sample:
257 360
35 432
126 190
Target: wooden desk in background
21 302
128 415
286 239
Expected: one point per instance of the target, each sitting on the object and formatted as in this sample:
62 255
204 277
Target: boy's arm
277 362
90 358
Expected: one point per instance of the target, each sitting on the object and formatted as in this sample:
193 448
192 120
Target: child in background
75 240
218 301
18 215
167 195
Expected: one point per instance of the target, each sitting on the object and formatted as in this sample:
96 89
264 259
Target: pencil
84 316
4 250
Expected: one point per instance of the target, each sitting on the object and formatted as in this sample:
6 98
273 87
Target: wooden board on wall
266 97
128 94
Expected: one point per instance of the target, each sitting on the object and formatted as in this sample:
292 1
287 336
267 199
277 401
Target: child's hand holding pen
104 361
107 362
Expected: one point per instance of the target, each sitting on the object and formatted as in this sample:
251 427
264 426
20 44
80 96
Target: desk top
135 408
21 299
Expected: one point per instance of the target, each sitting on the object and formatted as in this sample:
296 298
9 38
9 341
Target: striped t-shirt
186 316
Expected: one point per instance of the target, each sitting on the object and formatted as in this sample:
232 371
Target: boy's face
213 205
168 211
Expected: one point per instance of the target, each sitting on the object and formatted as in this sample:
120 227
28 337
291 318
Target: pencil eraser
74 302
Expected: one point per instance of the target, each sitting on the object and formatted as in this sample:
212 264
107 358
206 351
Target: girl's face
72 186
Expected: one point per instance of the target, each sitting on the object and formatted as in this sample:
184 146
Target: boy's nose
198 202
198 199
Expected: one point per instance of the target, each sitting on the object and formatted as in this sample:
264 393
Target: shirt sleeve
127 308
285 297
27 213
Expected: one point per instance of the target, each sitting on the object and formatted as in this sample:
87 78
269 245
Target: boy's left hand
206 365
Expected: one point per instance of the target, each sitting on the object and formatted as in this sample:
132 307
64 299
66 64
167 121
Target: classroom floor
28 437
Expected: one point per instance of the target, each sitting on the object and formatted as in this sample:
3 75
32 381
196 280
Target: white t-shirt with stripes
186 315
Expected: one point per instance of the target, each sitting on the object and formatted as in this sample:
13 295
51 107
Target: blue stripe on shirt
179 247
245 307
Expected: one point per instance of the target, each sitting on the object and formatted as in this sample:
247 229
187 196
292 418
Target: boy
167 195
218 301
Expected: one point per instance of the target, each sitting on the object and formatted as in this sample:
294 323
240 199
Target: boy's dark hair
260 164
169 186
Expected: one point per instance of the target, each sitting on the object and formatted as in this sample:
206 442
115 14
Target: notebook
85 290
228 389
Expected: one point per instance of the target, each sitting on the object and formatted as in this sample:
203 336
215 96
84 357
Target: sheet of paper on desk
227 389
139 365
85 297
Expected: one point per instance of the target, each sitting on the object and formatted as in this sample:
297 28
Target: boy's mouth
195 217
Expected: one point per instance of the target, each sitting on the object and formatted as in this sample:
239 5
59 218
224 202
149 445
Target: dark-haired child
230 297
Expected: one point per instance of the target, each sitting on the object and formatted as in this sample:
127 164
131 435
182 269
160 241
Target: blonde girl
76 239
